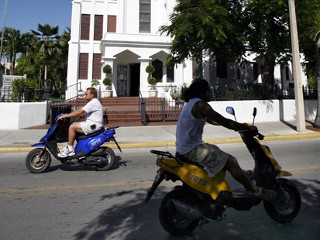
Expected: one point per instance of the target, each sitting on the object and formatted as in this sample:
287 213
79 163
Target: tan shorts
90 127
211 157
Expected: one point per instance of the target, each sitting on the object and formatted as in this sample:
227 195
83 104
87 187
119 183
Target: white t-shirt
94 111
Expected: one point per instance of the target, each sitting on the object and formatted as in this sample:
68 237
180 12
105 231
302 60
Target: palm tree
59 65
13 44
48 35
315 36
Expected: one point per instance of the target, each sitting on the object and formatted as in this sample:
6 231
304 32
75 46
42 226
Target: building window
96 66
85 26
83 65
112 23
158 73
98 27
170 74
144 16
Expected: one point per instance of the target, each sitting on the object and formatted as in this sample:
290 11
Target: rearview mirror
230 110
254 111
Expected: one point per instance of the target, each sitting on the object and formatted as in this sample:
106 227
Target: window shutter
83 65
85 26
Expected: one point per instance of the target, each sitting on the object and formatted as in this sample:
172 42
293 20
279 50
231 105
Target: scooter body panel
40 144
89 144
196 177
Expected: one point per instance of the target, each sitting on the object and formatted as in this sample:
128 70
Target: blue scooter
88 151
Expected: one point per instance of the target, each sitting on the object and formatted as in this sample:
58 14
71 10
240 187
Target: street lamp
317 120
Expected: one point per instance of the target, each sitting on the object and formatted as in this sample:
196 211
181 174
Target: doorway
134 79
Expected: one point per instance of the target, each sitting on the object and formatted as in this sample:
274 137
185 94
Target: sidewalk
159 136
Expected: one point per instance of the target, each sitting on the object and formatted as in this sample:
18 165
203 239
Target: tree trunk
317 120
268 76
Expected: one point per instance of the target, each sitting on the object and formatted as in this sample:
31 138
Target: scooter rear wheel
109 160
172 221
287 207
37 164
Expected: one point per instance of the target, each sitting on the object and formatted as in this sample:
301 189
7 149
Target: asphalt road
74 202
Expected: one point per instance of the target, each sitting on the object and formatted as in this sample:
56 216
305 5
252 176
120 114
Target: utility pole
300 115
1 46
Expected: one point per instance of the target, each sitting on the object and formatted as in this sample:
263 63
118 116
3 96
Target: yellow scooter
202 199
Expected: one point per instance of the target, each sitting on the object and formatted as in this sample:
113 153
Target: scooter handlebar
260 136
257 134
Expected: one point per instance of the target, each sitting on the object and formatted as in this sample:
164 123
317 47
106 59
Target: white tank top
189 129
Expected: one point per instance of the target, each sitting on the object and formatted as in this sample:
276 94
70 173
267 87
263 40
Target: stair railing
143 111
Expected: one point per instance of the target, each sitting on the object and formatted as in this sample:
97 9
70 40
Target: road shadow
133 219
75 166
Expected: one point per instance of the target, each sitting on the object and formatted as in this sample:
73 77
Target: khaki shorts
90 127
211 157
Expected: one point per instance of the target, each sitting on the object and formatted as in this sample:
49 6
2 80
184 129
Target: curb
172 143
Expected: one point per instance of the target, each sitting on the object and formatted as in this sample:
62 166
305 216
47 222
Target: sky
25 15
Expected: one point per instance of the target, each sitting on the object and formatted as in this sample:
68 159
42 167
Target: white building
125 35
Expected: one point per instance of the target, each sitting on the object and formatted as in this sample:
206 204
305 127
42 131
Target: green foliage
176 93
150 69
107 81
214 27
107 69
95 83
25 89
152 81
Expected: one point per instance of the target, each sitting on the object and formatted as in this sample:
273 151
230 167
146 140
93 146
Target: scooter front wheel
287 207
36 163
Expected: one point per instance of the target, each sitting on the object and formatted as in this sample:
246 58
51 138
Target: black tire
286 208
110 160
173 222
36 164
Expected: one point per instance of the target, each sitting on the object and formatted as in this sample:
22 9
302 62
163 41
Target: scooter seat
186 160
83 136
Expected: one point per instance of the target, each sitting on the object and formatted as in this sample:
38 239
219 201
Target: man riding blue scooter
93 112
89 134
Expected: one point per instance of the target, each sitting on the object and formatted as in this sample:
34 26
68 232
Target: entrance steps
125 111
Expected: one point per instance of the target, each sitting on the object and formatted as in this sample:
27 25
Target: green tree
59 64
48 35
268 34
314 34
308 12
209 27
14 43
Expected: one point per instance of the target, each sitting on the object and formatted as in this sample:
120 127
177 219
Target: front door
122 82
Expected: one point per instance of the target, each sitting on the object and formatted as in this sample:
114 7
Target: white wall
268 110
22 115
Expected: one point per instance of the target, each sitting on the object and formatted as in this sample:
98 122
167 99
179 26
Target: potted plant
176 94
107 81
152 81
95 83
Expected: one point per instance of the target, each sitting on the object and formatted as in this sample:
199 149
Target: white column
74 45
